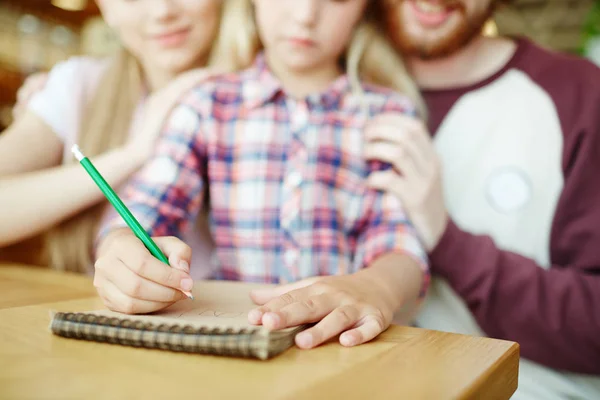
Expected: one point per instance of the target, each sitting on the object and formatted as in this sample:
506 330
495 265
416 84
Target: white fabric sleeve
60 103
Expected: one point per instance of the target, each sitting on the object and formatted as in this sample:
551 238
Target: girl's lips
172 39
300 42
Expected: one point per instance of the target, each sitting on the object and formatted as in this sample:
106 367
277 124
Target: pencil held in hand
123 211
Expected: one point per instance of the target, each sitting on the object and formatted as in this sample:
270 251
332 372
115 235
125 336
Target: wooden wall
35 35
552 23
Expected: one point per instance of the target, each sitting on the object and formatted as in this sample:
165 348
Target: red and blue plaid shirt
286 179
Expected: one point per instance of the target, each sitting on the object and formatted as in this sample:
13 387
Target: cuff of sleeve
444 256
105 229
412 247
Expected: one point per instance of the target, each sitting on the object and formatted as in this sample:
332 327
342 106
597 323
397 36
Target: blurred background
36 34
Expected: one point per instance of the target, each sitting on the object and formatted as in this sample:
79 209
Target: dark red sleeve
554 314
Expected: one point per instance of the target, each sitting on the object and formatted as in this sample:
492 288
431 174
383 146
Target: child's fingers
156 271
368 330
120 302
255 316
136 286
333 324
179 253
263 296
132 252
311 310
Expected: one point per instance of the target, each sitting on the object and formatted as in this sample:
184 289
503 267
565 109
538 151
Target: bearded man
506 196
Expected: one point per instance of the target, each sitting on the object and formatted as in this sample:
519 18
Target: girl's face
167 35
306 35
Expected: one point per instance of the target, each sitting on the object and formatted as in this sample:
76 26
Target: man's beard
468 28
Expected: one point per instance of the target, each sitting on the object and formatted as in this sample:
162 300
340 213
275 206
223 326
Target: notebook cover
215 322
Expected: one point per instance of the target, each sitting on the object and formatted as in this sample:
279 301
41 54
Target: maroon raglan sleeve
554 314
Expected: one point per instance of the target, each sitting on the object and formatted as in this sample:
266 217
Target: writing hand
130 280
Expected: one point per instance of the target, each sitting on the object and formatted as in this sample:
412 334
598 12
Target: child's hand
130 280
353 305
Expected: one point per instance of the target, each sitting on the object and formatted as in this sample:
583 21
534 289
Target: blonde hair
105 126
370 57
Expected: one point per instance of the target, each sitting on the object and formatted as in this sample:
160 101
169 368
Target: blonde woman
112 108
278 146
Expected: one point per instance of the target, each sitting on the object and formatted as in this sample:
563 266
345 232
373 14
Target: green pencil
121 208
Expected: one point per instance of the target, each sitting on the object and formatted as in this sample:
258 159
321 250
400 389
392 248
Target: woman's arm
28 145
38 192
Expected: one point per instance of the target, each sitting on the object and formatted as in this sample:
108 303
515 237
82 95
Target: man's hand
416 179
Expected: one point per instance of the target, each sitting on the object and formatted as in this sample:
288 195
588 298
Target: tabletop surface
25 285
403 362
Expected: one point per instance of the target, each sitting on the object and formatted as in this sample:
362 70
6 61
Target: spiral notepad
214 323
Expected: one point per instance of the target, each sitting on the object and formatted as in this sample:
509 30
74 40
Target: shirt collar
262 86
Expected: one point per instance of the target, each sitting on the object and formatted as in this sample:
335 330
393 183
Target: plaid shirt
286 179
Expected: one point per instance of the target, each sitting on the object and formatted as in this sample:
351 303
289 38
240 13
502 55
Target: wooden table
22 285
403 363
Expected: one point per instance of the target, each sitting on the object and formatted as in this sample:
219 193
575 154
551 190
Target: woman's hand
157 109
416 178
130 280
32 85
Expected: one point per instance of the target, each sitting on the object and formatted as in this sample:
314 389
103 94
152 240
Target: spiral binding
248 343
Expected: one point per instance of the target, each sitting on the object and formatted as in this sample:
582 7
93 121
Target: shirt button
301 118
289 217
291 256
289 214
294 179
300 115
